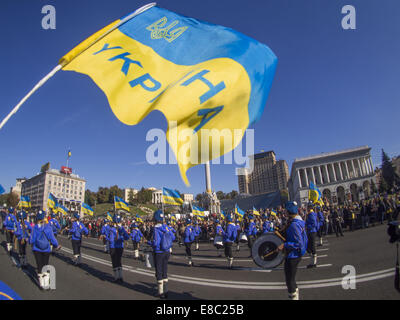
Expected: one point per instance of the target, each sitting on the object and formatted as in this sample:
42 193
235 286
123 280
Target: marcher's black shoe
310 266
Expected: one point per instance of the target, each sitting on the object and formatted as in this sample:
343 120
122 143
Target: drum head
264 245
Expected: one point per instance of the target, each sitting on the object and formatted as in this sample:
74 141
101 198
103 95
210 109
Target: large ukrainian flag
61 209
121 204
198 212
239 212
199 75
314 194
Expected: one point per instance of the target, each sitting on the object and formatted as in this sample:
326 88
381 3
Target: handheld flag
171 197
256 212
197 211
52 202
155 59
273 213
239 212
61 209
86 209
314 194
138 218
2 189
121 204
109 216
24 202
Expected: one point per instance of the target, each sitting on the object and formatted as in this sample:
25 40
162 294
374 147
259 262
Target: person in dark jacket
229 238
77 230
312 229
22 233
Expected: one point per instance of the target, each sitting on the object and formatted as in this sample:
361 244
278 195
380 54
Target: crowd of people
301 227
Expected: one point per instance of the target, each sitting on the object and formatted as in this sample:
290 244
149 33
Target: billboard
66 170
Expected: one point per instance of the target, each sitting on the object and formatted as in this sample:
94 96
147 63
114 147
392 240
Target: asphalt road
368 251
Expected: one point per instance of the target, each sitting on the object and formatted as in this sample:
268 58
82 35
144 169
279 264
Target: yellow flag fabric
200 76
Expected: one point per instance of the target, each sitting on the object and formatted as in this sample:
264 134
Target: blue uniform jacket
77 229
219 231
231 233
136 235
105 230
197 231
189 234
10 222
321 219
158 231
20 234
251 229
267 227
55 226
117 238
36 231
296 239
312 222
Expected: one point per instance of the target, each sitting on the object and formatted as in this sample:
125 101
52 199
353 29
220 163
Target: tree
220 195
12 199
388 172
131 198
103 195
115 192
144 196
232 195
373 187
90 197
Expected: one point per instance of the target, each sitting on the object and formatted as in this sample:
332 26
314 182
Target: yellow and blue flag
273 213
314 194
171 197
86 209
109 216
138 218
69 154
61 209
199 212
52 202
121 204
199 75
256 212
2 189
24 202
239 212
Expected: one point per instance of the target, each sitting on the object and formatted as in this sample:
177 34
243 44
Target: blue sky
334 89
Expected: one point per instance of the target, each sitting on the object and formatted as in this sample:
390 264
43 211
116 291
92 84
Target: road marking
248 285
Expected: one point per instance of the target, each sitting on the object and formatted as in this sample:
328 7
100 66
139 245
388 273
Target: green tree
144 196
90 197
115 192
388 172
232 195
131 198
220 195
12 199
103 195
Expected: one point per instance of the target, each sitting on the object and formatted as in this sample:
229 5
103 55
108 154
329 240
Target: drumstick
269 253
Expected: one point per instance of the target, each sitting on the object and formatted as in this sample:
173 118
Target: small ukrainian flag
52 201
121 204
199 212
314 194
24 202
86 209
239 212
62 209
171 197
138 218
109 216
256 212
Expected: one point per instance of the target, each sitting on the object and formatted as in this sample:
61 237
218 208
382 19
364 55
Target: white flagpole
38 85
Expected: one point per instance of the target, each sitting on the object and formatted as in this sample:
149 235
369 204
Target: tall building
268 175
341 176
187 197
68 188
18 185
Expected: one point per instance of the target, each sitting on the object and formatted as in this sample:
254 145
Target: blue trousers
161 265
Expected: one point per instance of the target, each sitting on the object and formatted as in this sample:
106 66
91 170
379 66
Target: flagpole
35 88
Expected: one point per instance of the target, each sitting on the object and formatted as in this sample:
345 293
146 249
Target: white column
370 163
359 165
347 170
327 173
299 177
313 175
334 173
355 171
340 171
320 175
306 175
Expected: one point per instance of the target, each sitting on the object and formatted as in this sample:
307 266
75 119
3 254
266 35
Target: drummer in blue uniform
136 237
251 232
219 232
10 225
312 229
294 247
161 253
104 235
41 237
116 236
55 226
197 233
321 223
267 226
22 233
189 236
229 239
77 230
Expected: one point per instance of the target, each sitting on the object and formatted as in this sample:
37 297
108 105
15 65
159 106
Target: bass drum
263 253
218 243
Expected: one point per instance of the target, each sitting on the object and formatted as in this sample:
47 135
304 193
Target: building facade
18 186
69 189
156 197
268 175
187 197
342 176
